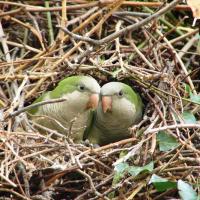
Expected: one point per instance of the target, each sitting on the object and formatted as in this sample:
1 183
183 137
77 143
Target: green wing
90 123
39 99
65 86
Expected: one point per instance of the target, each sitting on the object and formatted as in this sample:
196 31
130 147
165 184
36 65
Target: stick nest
43 43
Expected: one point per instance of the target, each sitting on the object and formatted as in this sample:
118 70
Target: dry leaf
195 7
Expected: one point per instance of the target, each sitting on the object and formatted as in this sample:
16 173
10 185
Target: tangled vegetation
151 46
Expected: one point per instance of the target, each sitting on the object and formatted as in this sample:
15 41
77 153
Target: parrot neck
72 108
71 114
119 119
109 127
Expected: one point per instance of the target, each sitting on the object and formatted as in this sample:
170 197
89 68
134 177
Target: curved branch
133 27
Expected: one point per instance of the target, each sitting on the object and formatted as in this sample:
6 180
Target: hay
155 55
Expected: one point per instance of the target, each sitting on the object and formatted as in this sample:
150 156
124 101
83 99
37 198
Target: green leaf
187 89
121 167
195 98
120 171
117 177
116 72
186 191
162 184
166 141
124 168
189 118
134 171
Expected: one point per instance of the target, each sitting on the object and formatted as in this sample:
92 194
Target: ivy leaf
134 170
120 171
195 98
187 89
162 184
186 191
166 142
189 118
121 167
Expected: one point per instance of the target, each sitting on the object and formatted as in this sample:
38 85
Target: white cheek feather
120 118
124 110
74 106
73 109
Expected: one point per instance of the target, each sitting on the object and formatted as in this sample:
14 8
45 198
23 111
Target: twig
177 39
124 30
91 184
10 191
86 5
180 62
155 5
155 130
33 154
140 53
108 179
43 9
188 45
135 14
13 114
82 17
4 44
50 26
32 29
8 180
21 76
112 8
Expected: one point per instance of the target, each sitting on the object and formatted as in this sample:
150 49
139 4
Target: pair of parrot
83 116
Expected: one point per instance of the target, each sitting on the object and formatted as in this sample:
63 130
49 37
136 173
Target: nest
156 55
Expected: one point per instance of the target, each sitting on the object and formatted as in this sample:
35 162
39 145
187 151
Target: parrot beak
106 103
93 101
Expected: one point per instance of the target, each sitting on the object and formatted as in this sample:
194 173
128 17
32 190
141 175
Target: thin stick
13 114
155 130
124 30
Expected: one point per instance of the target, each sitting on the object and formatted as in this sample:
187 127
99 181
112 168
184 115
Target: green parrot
73 115
119 108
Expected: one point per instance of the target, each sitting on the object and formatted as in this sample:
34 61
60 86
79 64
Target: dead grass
157 58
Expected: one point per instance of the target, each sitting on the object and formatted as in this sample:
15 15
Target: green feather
65 86
89 124
113 125
59 116
39 99
132 96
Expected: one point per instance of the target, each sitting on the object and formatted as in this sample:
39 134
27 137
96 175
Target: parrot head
81 93
114 93
120 100
83 89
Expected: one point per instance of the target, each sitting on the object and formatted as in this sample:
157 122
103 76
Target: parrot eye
82 87
120 93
